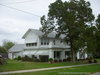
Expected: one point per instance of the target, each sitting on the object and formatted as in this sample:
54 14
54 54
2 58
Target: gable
31 37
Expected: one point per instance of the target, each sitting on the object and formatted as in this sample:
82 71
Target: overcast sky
14 23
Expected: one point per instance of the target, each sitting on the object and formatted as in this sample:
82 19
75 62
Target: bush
50 60
89 61
55 60
60 60
35 59
2 61
19 58
95 61
26 58
64 60
69 59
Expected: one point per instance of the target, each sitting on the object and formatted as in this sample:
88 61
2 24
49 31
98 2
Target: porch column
51 54
78 55
62 55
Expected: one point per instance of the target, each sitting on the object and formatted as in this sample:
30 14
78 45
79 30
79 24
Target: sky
25 14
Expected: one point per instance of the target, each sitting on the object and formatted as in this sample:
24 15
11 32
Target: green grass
13 65
98 59
82 69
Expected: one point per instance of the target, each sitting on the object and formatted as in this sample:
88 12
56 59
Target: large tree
70 18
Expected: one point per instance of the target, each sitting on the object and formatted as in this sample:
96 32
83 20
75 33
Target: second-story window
54 42
61 41
31 44
44 41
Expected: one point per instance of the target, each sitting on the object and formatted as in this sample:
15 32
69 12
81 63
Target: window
61 41
54 42
31 44
26 44
41 43
44 41
57 54
67 53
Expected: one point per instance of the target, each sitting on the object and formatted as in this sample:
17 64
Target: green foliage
97 35
27 58
71 19
47 25
2 61
18 58
3 50
50 59
7 44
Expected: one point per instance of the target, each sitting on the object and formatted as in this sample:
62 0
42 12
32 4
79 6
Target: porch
59 55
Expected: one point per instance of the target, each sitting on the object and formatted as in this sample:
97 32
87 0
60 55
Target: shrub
2 61
26 58
55 60
95 61
69 59
19 58
35 59
60 60
64 60
89 61
50 60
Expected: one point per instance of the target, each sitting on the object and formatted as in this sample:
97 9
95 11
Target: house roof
40 33
17 48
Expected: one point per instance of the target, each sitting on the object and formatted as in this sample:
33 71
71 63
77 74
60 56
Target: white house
41 47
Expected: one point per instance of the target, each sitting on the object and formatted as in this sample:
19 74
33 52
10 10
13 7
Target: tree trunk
73 55
73 52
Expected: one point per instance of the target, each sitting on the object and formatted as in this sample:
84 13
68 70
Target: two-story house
41 47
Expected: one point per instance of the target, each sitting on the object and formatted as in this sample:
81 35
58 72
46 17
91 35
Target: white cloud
13 29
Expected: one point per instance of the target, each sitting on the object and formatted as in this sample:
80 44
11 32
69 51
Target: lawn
13 65
82 70
98 60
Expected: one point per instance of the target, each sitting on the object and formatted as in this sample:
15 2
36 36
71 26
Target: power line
20 10
21 2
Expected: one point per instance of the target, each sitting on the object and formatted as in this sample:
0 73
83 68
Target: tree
3 50
47 25
70 18
90 39
97 52
8 44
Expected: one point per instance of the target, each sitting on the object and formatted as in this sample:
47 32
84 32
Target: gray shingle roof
40 33
17 48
